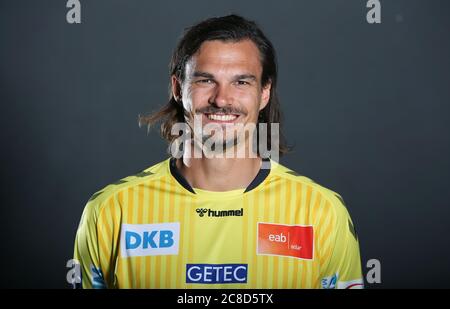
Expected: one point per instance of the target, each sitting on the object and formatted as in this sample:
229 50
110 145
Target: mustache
221 110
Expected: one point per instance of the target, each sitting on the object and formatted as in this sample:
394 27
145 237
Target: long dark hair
232 28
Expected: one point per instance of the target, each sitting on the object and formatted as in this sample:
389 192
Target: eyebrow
245 76
202 74
236 77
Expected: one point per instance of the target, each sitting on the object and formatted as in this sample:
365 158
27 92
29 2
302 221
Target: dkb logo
149 239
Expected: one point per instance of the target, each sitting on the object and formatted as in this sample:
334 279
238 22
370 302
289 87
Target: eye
242 83
205 81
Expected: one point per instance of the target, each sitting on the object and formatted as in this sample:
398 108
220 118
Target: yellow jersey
153 230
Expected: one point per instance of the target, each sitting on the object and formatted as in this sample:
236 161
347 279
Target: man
212 215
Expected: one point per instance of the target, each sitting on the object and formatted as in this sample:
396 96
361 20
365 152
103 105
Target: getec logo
216 273
149 239
220 213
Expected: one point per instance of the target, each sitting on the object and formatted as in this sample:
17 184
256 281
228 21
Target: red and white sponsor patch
286 240
353 284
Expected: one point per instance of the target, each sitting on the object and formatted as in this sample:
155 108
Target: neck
219 174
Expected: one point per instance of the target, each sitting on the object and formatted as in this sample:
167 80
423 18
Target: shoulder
101 198
332 199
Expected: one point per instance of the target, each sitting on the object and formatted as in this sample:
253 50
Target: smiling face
223 86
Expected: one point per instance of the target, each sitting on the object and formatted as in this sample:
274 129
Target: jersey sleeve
87 252
343 268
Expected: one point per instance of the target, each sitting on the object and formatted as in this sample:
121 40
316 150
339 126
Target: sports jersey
153 230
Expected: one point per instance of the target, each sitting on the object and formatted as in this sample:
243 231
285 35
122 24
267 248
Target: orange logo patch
286 240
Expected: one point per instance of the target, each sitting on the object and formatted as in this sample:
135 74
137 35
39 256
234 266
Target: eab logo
149 239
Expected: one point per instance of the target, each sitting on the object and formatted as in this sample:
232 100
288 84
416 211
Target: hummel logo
201 211
220 213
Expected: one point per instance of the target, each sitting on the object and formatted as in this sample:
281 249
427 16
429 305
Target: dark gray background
366 107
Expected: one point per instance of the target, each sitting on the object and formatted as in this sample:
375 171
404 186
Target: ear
265 96
176 88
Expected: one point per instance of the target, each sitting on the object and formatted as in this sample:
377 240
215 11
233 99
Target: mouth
221 117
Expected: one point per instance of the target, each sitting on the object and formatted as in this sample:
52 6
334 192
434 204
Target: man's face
223 85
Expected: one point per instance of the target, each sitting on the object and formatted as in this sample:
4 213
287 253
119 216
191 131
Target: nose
221 96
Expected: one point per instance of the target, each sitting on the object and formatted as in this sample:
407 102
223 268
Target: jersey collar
259 178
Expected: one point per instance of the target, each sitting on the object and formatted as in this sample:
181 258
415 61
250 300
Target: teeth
221 117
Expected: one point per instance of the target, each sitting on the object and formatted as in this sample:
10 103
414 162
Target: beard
220 143
228 142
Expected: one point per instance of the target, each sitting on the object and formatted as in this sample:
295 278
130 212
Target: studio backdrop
365 99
